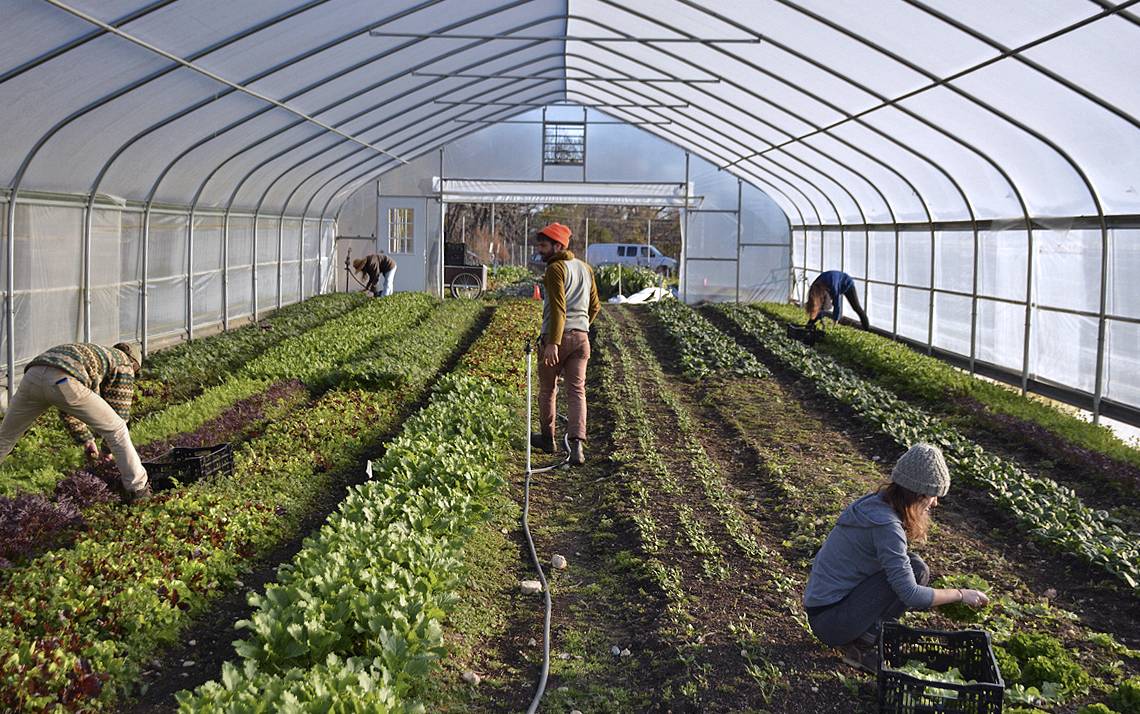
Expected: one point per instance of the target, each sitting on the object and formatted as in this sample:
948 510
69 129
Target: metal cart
465 281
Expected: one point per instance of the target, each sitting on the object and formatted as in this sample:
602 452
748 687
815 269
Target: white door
402 234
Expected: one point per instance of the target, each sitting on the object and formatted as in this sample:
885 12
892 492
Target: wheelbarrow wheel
466 286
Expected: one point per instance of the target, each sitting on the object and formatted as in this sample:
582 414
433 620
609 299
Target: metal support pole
144 290
226 271
190 275
739 227
280 250
895 317
974 304
1028 308
10 298
253 297
648 240
1102 326
493 227
301 262
586 254
87 270
684 238
867 272
526 239
442 216
930 299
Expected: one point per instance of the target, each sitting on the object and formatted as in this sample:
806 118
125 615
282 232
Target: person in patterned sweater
92 386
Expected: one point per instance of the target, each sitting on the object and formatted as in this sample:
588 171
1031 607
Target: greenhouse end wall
149 281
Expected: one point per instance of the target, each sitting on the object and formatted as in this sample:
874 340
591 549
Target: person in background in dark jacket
92 386
570 303
374 267
865 574
826 296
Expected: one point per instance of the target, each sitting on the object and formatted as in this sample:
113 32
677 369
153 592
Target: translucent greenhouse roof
845 112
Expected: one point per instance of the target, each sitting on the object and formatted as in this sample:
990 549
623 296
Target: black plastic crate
188 464
968 650
806 335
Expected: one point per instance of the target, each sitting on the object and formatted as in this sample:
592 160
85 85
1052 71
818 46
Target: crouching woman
865 573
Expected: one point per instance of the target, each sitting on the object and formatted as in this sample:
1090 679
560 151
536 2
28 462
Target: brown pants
573 354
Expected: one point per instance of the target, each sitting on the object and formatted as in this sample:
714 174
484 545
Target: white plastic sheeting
993 120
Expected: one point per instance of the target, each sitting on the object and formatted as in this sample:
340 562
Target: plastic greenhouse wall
151 282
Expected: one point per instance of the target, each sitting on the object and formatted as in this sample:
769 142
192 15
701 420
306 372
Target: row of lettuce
932 381
181 377
77 623
355 621
1051 512
1038 668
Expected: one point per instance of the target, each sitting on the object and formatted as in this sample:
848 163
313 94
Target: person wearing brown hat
570 303
374 267
865 574
92 386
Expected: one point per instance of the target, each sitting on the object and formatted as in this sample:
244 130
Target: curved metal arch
815 97
123 91
285 206
926 209
82 40
1017 55
748 132
386 101
681 141
465 130
1089 186
356 66
277 68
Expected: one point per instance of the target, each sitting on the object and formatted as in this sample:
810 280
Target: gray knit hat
922 469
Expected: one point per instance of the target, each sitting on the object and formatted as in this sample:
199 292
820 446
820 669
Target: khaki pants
573 355
45 387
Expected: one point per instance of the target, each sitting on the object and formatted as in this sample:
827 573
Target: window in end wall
401 229
564 143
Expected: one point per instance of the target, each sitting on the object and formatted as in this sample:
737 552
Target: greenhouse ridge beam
82 40
189 64
649 80
939 82
569 38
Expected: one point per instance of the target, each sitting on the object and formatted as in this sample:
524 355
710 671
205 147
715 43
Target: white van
630 254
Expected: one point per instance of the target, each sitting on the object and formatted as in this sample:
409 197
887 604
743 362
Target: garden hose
541 689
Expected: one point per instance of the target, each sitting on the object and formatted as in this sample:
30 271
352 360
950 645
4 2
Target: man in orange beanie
569 306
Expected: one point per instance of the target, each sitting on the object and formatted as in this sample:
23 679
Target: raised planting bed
983 405
80 622
170 378
33 523
1050 512
703 349
356 618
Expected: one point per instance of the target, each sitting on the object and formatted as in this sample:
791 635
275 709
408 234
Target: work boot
577 452
543 442
139 496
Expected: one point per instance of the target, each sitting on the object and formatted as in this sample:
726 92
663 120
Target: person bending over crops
92 386
826 296
865 573
374 267
569 305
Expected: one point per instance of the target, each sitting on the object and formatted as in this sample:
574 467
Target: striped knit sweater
104 370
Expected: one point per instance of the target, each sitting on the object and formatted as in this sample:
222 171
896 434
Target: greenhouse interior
364 264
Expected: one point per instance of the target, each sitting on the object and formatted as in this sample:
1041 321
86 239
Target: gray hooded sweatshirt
868 538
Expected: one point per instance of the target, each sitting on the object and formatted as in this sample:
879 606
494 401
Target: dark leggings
864 608
852 296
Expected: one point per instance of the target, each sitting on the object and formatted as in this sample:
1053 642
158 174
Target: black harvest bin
189 463
968 650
